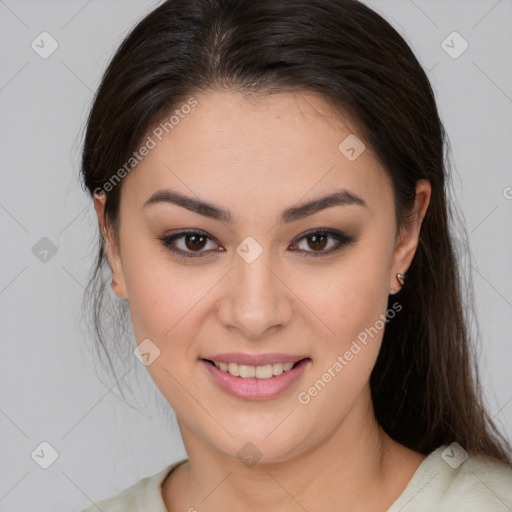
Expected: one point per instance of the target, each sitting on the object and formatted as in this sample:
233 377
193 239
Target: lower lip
253 388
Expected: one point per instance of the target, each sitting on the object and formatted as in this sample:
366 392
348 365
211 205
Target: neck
354 468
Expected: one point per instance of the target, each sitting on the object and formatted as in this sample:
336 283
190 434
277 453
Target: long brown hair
425 384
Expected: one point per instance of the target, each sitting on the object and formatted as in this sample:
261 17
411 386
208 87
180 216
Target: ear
114 260
409 234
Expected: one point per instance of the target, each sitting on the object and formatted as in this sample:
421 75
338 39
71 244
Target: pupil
195 244
316 244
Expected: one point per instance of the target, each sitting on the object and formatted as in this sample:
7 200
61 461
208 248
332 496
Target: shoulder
451 480
141 496
484 484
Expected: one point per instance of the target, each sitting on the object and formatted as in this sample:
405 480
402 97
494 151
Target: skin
257 156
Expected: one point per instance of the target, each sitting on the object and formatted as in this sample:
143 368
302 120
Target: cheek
349 296
351 300
162 303
158 295
346 296
354 307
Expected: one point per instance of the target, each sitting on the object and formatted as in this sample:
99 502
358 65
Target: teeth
264 372
248 372
234 369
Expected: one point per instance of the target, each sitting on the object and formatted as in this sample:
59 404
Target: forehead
270 149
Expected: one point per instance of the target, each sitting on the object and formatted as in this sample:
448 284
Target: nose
255 298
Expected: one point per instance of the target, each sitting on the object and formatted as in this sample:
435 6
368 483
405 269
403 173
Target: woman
270 185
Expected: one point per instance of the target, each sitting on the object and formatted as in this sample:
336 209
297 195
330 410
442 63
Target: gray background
50 390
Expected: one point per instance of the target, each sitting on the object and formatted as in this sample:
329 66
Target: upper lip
254 359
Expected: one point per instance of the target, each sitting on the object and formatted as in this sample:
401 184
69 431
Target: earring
400 278
112 284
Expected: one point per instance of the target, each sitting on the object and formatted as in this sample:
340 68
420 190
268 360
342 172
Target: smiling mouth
267 371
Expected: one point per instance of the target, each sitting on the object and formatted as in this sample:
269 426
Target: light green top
444 482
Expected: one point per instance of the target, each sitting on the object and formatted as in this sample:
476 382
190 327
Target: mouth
267 371
256 382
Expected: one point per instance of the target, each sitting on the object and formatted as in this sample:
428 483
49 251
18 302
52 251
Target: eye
194 242
318 240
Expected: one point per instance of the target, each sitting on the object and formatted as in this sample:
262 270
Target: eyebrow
339 198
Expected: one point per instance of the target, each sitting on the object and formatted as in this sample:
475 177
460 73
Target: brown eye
192 243
318 241
195 242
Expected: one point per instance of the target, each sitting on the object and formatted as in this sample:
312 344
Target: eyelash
341 238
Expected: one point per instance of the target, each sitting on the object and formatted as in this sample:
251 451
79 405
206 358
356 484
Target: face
260 280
